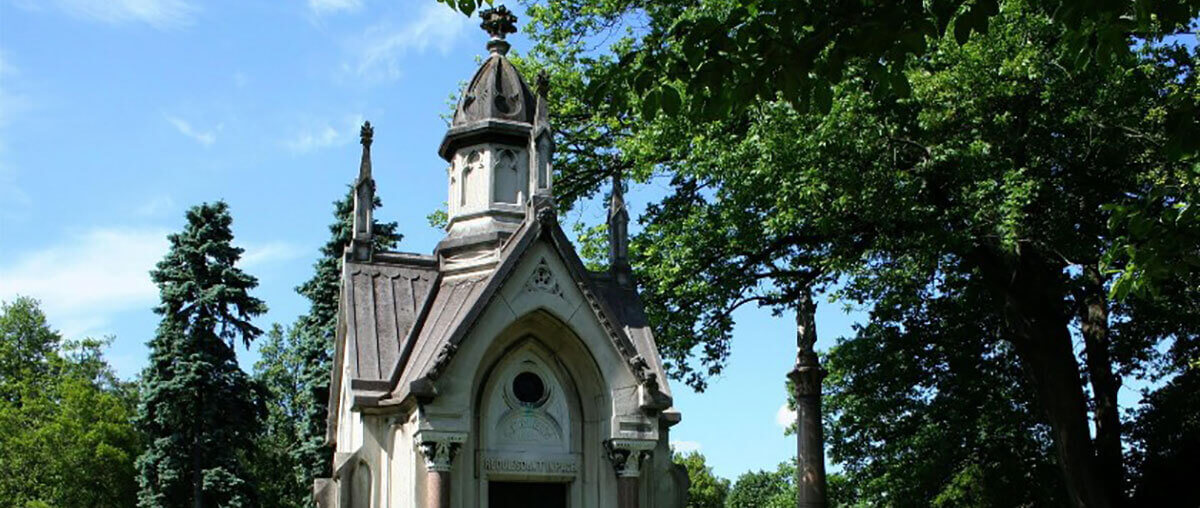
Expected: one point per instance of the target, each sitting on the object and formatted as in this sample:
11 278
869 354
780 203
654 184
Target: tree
68 439
927 406
310 343
712 58
764 489
1000 163
199 411
278 372
705 489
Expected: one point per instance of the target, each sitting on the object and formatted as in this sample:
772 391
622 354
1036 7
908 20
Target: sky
117 115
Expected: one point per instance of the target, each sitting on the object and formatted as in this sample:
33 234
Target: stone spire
364 200
541 148
810 440
618 235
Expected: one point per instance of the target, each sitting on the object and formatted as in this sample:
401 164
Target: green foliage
994 161
765 489
67 436
1166 437
199 411
727 55
705 490
926 405
283 482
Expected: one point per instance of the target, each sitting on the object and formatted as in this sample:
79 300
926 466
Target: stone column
628 456
439 451
810 441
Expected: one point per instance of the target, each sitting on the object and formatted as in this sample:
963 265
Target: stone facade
500 364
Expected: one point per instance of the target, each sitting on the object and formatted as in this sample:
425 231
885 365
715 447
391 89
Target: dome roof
497 92
497 105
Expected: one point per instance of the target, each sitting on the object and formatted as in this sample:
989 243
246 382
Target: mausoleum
499 371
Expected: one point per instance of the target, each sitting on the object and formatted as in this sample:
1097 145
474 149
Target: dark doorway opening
527 495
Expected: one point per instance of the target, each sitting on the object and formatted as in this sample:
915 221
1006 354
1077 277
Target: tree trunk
1105 385
1032 294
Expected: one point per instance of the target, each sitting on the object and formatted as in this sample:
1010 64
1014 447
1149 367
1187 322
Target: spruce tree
199 411
315 335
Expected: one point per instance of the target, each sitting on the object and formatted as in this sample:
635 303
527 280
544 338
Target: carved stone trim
543 279
439 449
628 455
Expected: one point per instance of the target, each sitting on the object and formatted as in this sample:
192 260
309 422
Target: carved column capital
439 449
628 455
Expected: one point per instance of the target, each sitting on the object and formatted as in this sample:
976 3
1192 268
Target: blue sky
116 115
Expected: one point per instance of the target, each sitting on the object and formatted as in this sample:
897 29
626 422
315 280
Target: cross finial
498 22
366 133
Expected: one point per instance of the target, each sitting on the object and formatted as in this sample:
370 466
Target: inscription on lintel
536 465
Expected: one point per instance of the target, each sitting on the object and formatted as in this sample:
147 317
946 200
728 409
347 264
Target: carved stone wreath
543 279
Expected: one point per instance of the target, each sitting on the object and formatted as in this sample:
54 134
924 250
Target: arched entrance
538 420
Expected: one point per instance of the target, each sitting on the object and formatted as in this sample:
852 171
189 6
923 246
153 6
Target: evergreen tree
199 411
314 336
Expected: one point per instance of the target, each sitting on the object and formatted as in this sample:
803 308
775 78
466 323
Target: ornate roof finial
498 22
366 133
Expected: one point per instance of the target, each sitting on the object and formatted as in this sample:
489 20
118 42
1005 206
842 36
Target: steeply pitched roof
383 299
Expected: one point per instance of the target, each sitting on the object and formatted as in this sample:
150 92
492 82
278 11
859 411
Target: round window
528 388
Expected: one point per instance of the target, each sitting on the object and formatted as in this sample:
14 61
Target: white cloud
85 280
324 135
160 14
155 206
269 253
435 27
785 417
330 6
206 138
685 446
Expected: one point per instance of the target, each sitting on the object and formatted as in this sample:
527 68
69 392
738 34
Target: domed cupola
499 147
497 102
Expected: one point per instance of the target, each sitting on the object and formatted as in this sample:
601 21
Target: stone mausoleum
499 371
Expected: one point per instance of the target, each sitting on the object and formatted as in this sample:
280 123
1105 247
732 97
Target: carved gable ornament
543 279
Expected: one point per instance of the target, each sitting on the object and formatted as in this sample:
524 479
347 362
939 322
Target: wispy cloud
380 49
326 134
261 254
86 279
785 417
155 206
685 446
206 138
331 6
14 103
160 14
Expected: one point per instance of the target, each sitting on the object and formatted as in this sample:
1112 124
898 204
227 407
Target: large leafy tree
764 489
277 444
68 438
310 344
726 55
927 406
705 489
1001 163
199 410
